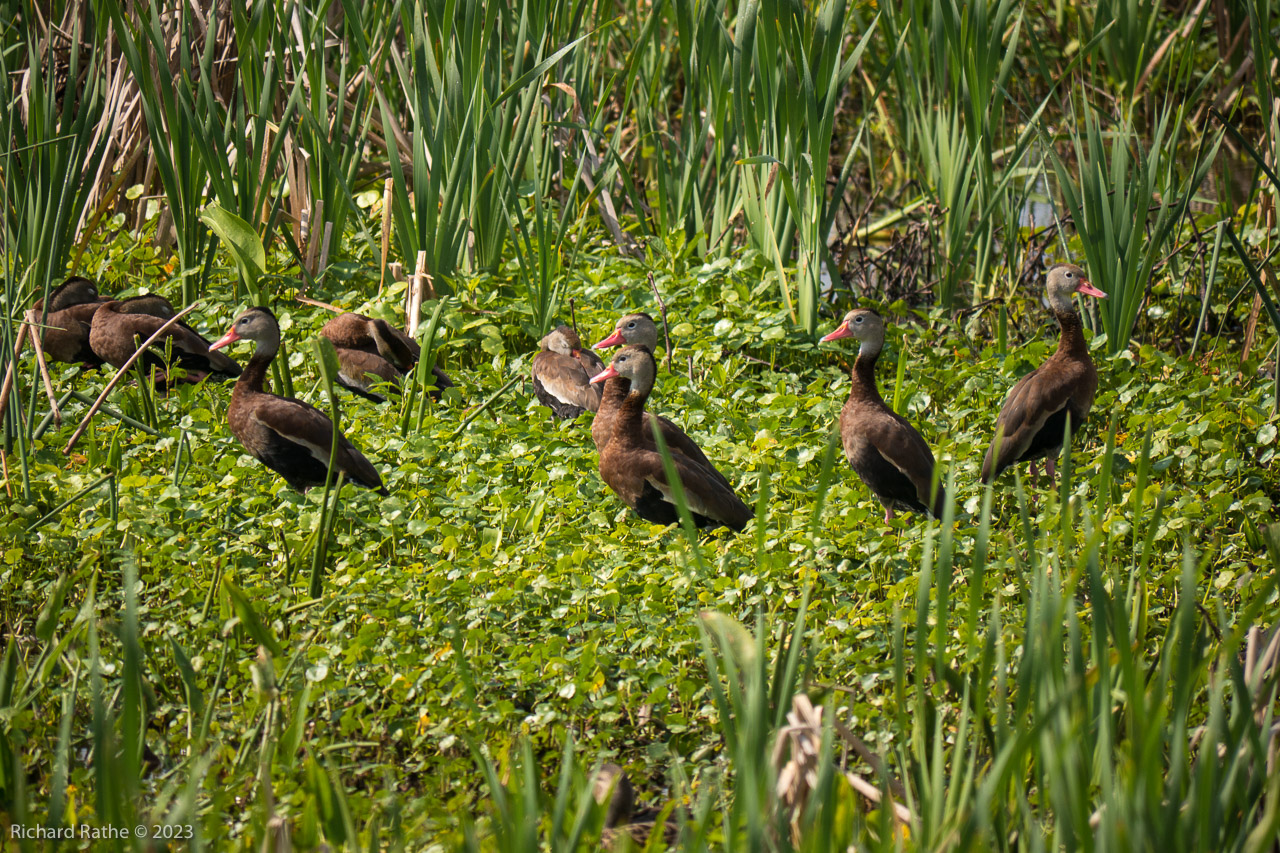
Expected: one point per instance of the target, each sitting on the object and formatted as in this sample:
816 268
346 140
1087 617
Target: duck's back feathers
294 439
560 382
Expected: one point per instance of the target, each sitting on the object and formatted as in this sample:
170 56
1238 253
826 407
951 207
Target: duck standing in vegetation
885 450
632 467
562 374
1056 395
65 334
119 326
640 330
290 437
371 350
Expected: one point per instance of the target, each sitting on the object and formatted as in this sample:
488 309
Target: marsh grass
1124 231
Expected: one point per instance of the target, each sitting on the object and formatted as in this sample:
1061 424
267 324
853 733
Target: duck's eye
1068 274
631 325
859 320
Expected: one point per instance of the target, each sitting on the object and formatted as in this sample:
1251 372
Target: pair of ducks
571 380
895 462
887 453
83 327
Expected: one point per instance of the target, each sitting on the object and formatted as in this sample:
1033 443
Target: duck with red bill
1057 395
289 436
632 467
886 452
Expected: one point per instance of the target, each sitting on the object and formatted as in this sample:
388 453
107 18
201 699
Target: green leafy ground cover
502 595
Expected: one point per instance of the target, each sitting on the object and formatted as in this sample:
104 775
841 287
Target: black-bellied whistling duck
116 325
65 333
885 450
631 466
612 789
1056 395
640 330
368 347
562 374
290 437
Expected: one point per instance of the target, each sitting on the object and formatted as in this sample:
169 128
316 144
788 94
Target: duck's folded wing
1032 401
566 379
591 362
678 440
902 446
706 494
309 428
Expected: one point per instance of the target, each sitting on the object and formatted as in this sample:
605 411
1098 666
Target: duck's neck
864 375
630 418
254 376
615 392
1071 343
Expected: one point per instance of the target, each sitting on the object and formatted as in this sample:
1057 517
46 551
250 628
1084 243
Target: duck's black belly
886 482
1048 441
294 462
564 411
654 508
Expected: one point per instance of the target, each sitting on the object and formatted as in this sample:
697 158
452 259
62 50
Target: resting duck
116 325
1057 394
640 330
885 450
371 350
631 466
611 788
65 334
289 436
562 374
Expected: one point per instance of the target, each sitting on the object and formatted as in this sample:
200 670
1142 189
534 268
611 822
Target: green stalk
327 360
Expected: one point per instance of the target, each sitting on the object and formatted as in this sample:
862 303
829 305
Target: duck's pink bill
1089 290
842 331
229 338
607 373
613 340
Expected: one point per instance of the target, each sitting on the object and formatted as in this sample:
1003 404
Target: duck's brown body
562 374
1057 394
884 449
115 334
631 466
615 393
371 350
886 452
64 335
290 437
